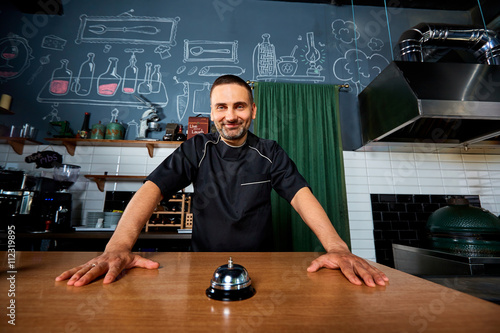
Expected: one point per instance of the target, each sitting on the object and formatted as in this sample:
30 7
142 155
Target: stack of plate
111 219
92 218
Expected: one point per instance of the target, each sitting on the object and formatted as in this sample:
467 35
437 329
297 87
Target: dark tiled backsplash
401 219
117 200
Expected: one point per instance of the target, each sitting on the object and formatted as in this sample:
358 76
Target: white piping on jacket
205 150
254 183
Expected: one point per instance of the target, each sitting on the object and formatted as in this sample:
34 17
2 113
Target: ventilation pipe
419 43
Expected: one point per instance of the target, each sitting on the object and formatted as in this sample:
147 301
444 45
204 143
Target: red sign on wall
197 125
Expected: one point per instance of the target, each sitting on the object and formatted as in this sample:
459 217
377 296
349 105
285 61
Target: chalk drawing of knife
100 29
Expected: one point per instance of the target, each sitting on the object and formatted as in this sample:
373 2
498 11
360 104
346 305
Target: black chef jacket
232 189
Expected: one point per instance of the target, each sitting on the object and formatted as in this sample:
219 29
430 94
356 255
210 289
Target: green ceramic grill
463 229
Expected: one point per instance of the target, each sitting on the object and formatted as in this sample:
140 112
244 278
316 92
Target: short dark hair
232 79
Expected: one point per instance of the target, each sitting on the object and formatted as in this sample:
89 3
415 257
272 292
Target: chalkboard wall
99 55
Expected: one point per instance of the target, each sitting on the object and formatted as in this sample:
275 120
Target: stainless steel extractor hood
439 105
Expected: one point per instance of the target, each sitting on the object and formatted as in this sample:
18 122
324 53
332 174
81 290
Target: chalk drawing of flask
61 78
83 84
265 55
130 76
145 85
108 82
156 80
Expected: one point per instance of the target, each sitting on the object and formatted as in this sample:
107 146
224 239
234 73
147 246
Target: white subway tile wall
413 173
366 173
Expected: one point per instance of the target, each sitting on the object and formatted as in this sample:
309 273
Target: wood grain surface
288 299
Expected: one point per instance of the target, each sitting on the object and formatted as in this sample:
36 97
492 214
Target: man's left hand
354 268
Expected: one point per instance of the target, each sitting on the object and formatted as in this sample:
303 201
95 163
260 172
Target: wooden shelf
71 143
18 143
183 212
100 180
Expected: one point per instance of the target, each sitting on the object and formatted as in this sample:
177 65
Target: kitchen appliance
51 211
66 175
463 251
423 102
149 120
170 131
64 130
230 282
33 204
463 229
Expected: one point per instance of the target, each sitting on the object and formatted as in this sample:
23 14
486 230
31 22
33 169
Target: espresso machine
149 121
36 204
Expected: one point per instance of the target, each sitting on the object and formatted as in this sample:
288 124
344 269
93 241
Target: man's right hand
110 264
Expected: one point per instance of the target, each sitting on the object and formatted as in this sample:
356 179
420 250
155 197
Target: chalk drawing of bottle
130 76
265 55
108 82
145 85
156 79
61 78
83 83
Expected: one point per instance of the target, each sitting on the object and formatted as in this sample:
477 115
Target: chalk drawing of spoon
100 29
198 50
43 61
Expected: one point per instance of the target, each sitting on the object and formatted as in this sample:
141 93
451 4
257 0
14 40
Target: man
232 172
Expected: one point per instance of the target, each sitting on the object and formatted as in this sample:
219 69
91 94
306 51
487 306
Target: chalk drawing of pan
205 50
128 29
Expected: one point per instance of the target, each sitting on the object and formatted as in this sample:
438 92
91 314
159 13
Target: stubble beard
225 134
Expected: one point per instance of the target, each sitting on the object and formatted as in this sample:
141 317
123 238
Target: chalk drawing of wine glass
15 57
9 52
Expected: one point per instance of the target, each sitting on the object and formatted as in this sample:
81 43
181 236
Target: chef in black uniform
232 172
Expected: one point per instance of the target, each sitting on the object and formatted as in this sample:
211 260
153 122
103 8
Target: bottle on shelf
84 132
180 136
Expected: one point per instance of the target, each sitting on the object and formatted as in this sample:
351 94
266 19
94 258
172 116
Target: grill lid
463 229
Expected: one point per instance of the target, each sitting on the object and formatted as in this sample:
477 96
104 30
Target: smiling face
232 111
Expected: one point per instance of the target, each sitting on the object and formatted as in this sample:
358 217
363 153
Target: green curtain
304 120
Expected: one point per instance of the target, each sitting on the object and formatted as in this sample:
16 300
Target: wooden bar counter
172 298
